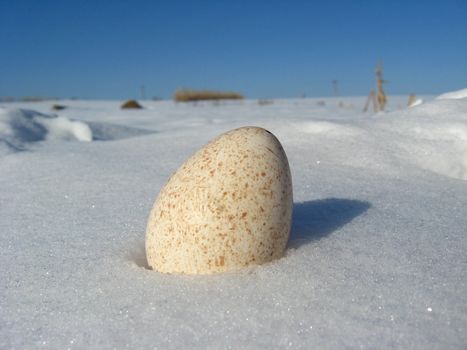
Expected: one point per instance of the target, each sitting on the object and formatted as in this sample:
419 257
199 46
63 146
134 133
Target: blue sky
109 49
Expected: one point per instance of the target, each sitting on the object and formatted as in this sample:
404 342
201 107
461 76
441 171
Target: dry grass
205 95
412 99
131 104
58 107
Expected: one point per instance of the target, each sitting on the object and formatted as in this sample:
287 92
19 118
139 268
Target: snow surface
377 255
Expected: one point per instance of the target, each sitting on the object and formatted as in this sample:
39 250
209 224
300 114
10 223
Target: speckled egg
228 206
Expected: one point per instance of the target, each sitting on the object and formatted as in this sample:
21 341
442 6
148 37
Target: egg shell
228 206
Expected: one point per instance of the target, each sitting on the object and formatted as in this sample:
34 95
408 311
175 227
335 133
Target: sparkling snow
377 255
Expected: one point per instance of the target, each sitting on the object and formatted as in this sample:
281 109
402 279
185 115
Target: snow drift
431 136
21 126
453 95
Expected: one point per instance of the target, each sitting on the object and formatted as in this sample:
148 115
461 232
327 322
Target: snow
453 95
376 257
417 102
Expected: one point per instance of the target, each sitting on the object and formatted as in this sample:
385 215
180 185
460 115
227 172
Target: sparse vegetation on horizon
412 99
379 98
205 95
57 107
131 104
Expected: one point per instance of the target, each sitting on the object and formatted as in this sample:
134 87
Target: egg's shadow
313 220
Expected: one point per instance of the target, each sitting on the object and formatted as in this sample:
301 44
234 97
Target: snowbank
429 138
453 95
21 126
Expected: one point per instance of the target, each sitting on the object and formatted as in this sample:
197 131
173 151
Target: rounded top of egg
228 206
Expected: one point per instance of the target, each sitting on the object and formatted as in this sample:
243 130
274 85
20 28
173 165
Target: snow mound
19 127
428 139
441 148
453 95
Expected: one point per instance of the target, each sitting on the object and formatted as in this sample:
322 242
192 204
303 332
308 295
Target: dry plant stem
382 100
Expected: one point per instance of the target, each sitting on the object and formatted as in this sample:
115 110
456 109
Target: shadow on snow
313 220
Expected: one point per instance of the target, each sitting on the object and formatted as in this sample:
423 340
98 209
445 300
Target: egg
228 206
